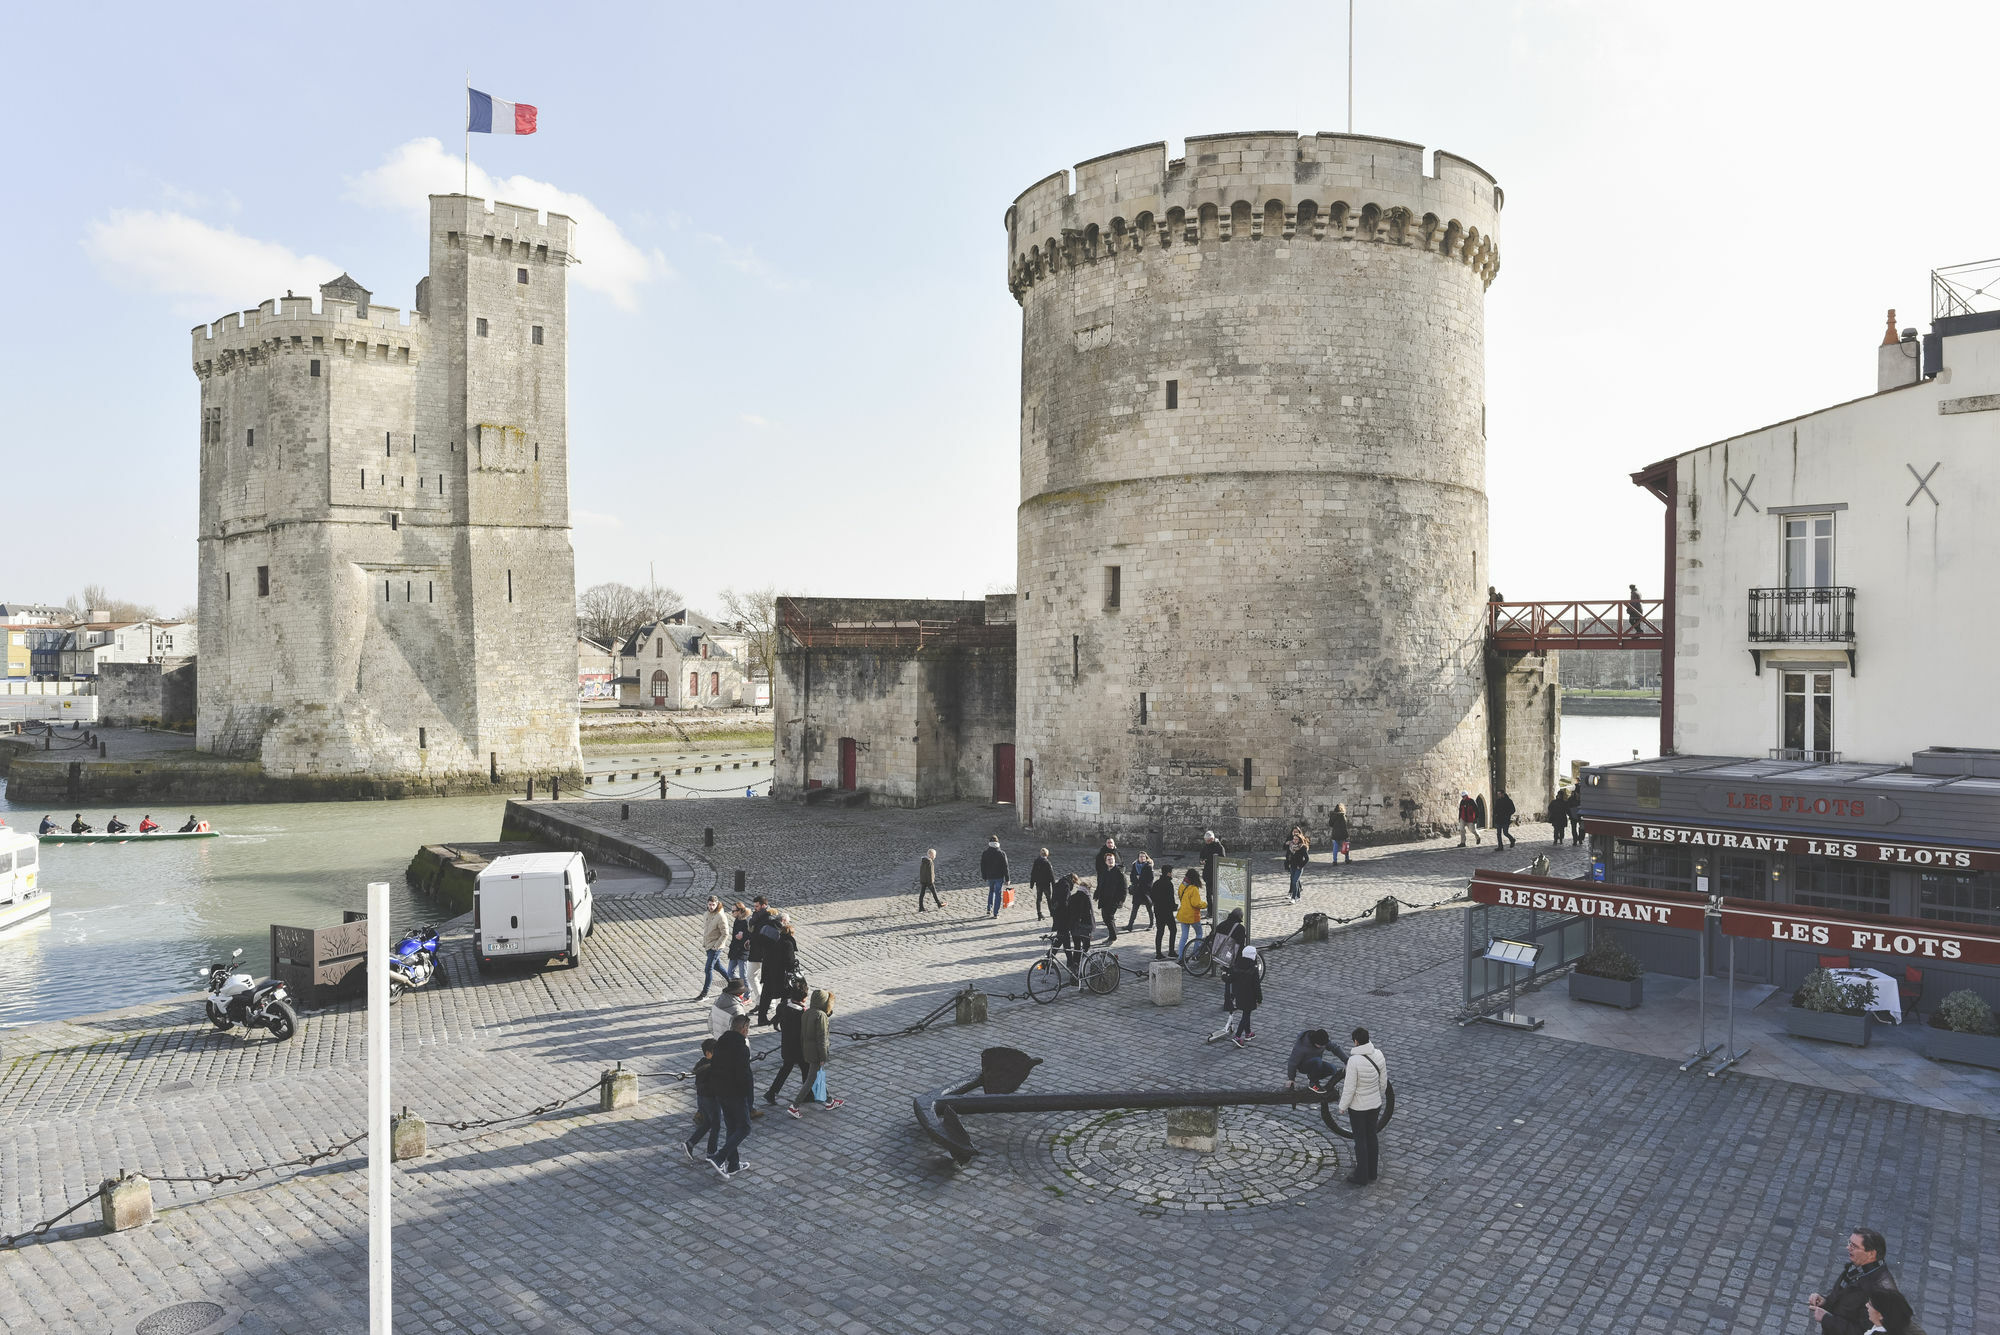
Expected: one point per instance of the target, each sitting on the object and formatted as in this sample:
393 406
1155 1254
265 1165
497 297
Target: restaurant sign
1909 938
1895 852
1658 908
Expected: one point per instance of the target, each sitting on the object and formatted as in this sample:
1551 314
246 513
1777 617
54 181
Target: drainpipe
1663 481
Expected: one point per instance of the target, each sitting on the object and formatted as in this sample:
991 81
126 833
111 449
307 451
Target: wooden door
1003 771
847 763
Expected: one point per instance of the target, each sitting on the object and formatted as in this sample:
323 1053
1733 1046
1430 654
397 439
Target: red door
1003 771
847 763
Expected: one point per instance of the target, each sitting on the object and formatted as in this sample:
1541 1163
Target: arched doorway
660 687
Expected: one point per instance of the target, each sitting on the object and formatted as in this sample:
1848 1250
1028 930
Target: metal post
378 1109
663 787
555 788
1730 1054
1703 1050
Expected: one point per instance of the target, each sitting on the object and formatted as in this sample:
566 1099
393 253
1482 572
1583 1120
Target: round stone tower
1253 510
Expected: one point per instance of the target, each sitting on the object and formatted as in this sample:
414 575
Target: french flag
486 114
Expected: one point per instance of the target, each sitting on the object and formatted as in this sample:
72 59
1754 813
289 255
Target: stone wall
147 694
1253 386
1526 741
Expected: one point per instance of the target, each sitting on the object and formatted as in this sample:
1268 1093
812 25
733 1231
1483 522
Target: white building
1833 575
683 661
149 642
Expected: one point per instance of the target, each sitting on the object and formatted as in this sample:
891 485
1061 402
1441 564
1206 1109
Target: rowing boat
127 837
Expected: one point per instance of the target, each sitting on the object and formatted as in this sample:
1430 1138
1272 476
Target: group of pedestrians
1566 813
1863 1298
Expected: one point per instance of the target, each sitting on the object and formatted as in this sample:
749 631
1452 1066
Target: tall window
715 683
659 648
694 685
1113 586
263 581
1808 551
1652 866
1828 883
1805 726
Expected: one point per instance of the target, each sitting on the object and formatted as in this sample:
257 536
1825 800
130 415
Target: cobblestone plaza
1528 1183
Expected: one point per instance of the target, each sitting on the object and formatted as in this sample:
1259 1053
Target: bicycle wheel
1328 1111
1198 957
1100 972
1045 980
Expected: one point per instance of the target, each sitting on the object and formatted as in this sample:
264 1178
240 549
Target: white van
532 906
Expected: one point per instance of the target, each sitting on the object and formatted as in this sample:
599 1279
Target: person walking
1576 817
1559 814
1188 915
1468 818
1361 1097
1211 850
1891 1314
1230 938
1866 1274
1042 880
993 868
1298 852
1165 902
1635 611
791 1009
1338 831
1141 884
714 940
707 1110
927 879
1248 988
1105 852
763 931
730 1004
1315 1057
816 1048
781 962
729 1076
1503 818
739 945
1081 923
1110 896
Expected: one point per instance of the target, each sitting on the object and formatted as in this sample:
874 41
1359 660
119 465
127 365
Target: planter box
1944 1045
1622 993
1831 1026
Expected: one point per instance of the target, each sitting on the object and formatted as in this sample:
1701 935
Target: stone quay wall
1252 531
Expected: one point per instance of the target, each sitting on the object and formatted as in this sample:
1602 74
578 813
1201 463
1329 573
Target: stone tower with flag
387 596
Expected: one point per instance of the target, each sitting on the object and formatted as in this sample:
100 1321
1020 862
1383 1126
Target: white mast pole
380 1313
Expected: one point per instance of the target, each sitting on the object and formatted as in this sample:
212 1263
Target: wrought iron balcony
1802 616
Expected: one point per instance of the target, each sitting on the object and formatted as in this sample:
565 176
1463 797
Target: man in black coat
1042 879
730 1079
1165 903
760 943
1503 819
1559 814
1211 849
1140 881
1077 919
1111 896
993 869
1842 1309
1105 852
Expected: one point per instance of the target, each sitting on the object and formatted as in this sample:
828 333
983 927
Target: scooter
236 998
414 961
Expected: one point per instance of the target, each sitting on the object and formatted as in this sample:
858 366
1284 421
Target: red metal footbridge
1612 623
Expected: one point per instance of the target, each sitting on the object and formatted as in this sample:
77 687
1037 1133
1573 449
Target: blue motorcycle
414 962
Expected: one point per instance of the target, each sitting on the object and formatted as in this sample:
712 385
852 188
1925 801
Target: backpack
1225 949
771 932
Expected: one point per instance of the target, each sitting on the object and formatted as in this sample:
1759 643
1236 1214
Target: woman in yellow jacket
1190 911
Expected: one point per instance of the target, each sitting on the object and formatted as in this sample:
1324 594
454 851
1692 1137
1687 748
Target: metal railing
1798 753
1610 623
1809 616
915 634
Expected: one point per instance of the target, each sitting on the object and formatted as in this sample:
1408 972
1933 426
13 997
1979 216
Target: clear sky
793 357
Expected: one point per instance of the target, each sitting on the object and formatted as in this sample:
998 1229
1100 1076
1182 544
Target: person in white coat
1361 1097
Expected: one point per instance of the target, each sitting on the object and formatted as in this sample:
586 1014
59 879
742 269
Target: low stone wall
211 780
148 694
546 826
449 873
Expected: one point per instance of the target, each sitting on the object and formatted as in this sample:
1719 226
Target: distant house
596 671
85 646
683 661
18 657
150 642
32 614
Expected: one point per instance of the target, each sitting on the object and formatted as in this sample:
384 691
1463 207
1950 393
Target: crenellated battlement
292 322
520 230
1267 186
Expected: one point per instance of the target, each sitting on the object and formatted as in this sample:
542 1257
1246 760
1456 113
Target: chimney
1896 362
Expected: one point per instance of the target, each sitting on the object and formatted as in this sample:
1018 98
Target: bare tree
609 613
97 601
660 600
756 611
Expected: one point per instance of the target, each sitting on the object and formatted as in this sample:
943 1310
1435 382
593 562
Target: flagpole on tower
467 188
1350 71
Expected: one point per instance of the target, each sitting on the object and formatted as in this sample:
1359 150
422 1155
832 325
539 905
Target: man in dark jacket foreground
1042 880
1840 1311
993 869
729 1076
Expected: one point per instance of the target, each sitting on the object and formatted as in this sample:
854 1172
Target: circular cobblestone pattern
181 1319
1260 1159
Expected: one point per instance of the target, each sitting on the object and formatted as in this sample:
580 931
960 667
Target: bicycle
1198 958
1049 975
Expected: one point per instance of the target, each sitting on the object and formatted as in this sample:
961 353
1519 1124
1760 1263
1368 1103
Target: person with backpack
1042 880
761 917
1468 818
1188 915
729 1076
1165 900
927 879
1230 938
816 1048
707 1110
1081 922
993 869
1110 896
1361 1097
1298 852
781 963
1142 889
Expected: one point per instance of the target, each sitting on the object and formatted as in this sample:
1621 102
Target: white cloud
592 519
753 420
610 262
745 260
211 269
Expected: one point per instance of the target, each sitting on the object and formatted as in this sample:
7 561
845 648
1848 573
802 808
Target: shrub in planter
1609 975
1963 1029
1824 1007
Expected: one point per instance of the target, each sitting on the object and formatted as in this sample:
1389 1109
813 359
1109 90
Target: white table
1888 1003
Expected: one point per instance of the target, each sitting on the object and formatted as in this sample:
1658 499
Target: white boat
21 893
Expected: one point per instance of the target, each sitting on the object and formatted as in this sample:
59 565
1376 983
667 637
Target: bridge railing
1614 623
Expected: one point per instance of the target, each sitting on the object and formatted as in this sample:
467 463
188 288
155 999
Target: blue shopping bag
819 1086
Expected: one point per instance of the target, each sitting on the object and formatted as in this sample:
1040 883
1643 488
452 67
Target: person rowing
49 826
147 824
191 826
116 826
79 826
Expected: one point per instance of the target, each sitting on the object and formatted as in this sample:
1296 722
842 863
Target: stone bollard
127 1201
970 1007
1163 982
624 811
617 1088
1192 1129
409 1138
707 833
1385 910
1315 927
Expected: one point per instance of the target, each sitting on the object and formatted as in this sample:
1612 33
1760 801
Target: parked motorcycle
236 998
414 961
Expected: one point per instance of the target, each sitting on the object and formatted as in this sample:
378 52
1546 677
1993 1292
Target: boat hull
129 837
12 913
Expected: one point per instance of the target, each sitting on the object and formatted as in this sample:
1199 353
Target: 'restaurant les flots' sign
1910 938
